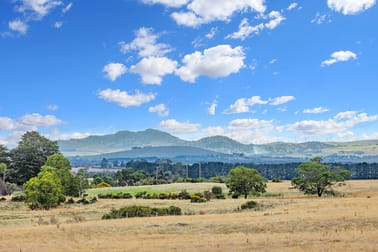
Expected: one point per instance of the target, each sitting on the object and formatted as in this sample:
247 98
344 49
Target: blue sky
253 70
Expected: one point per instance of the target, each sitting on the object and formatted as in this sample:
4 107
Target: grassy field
290 222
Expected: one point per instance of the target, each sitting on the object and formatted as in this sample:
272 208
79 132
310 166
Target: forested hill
144 142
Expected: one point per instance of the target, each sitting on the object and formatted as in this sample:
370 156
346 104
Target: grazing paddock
289 222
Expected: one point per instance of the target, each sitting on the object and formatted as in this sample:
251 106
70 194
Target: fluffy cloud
339 56
218 61
281 100
28 122
36 120
321 18
350 7
52 107
58 25
292 6
245 29
18 26
160 109
179 127
276 18
212 108
168 3
338 124
246 124
123 99
214 131
67 8
204 11
37 8
242 105
152 69
317 110
114 70
145 43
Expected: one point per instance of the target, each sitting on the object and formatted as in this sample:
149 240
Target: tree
3 185
82 177
29 156
44 191
243 180
317 178
61 166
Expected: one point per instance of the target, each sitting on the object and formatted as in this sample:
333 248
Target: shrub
208 195
249 205
18 197
141 211
184 195
197 198
3 199
174 210
217 190
276 180
140 195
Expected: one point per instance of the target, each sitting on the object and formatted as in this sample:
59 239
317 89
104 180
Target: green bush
276 180
18 197
184 195
141 211
249 205
217 190
197 198
120 195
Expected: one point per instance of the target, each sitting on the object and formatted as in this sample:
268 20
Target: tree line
205 170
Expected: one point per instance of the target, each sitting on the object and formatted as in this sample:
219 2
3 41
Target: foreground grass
291 222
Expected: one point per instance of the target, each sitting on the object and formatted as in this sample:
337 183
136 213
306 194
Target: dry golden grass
291 222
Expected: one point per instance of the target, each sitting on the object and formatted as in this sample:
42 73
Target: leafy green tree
29 156
4 155
61 166
317 178
3 185
82 177
243 180
44 191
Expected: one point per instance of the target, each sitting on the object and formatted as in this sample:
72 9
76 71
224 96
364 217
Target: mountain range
155 144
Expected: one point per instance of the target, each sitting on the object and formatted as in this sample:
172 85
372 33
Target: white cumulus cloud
245 30
276 18
339 56
242 105
114 70
281 100
37 8
212 108
160 109
179 127
292 6
204 11
153 69
168 3
215 62
317 110
146 44
124 99
18 26
350 7
340 123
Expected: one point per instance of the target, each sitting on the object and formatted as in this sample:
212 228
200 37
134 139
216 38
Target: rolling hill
152 143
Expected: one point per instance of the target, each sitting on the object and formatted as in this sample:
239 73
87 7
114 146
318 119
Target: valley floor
291 222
